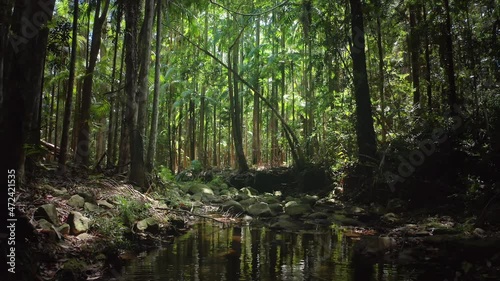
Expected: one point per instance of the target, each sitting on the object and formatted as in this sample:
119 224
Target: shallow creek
212 251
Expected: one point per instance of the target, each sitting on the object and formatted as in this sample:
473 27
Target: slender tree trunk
256 104
5 18
381 79
453 100
83 143
69 92
136 174
154 115
111 148
365 132
427 61
415 53
235 109
144 59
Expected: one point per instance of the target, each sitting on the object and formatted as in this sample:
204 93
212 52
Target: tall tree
69 91
83 143
132 13
365 132
22 72
153 136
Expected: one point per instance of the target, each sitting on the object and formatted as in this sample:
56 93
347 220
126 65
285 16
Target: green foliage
165 174
132 210
196 167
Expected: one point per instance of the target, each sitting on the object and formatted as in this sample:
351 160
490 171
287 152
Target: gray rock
78 223
317 216
64 229
293 208
149 225
277 208
76 201
260 209
45 225
88 196
233 207
309 199
105 203
200 188
390 218
249 201
91 207
396 205
285 224
48 212
343 220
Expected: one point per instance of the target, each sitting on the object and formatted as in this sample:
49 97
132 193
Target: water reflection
215 252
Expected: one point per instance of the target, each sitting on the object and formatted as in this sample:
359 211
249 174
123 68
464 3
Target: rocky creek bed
87 229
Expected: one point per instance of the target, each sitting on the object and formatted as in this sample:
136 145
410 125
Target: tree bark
235 109
365 132
69 92
153 136
136 175
83 143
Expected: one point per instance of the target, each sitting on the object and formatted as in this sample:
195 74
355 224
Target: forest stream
212 251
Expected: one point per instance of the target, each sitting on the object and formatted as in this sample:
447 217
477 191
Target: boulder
260 209
45 225
78 223
249 201
148 225
309 199
64 229
293 208
284 223
91 207
277 208
76 201
195 188
317 216
233 207
47 212
390 219
343 220
88 196
105 203
396 205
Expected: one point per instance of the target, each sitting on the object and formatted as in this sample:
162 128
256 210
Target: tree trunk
234 106
69 92
136 175
450 68
415 53
365 132
110 159
153 136
83 143
23 70
144 62
256 105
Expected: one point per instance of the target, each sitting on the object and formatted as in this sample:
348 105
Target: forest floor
87 226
